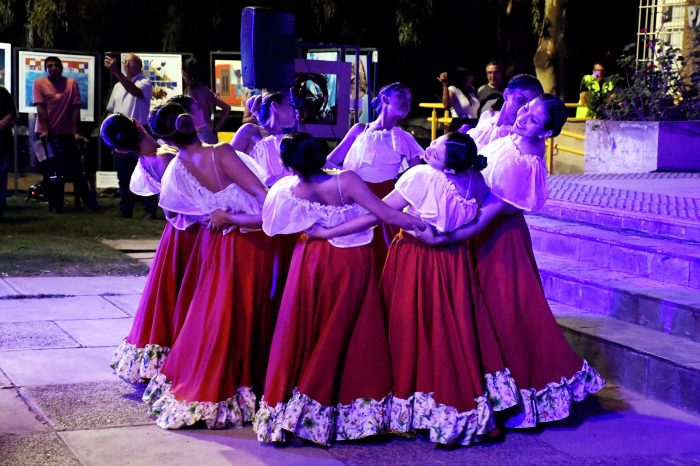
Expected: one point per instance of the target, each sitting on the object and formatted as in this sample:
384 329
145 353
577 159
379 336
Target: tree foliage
44 19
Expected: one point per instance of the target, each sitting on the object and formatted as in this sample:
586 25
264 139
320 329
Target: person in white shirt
131 96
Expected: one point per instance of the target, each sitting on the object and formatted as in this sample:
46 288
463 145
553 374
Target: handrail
551 146
433 119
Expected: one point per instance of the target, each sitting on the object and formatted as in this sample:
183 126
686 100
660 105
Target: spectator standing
593 83
460 97
131 96
490 93
57 100
206 99
8 113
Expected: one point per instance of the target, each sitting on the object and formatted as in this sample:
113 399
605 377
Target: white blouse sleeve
281 215
519 180
435 198
143 183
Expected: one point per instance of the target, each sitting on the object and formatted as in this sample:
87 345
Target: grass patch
36 242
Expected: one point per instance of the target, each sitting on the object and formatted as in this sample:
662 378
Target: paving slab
141 255
16 417
126 302
6 290
93 405
34 335
57 366
148 445
77 286
35 449
129 245
4 381
76 307
97 332
396 451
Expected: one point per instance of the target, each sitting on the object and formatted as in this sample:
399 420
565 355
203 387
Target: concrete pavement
60 403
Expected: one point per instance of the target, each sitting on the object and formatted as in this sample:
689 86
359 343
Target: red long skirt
430 294
549 374
329 373
221 353
155 325
383 233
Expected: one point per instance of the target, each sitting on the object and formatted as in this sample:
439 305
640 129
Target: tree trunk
550 57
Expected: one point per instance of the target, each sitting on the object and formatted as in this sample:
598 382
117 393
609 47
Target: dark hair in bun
186 101
556 113
461 153
119 132
172 123
302 152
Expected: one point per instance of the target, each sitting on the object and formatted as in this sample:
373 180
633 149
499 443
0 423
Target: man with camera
131 96
57 100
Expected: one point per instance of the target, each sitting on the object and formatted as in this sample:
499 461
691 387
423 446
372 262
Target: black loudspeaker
268 48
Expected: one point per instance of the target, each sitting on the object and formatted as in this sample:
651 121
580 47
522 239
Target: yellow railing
433 119
551 146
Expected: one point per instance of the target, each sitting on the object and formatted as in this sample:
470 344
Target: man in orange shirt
57 100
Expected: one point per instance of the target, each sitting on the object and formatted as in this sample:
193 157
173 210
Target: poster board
77 66
325 88
6 65
165 73
228 83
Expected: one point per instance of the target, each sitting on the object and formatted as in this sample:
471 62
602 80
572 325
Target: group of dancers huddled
379 289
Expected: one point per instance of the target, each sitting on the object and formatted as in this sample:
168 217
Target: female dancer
329 376
436 361
378 151
545 368
275 114
521 89
219 355
145 348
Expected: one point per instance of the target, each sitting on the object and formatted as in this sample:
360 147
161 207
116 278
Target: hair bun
184 124
480 162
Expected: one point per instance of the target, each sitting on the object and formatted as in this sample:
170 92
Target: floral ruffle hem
554 401
445 424
172 413
138 365
311 420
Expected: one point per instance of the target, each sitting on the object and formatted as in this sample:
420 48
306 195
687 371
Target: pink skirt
155 325
329 376
548 373
220 356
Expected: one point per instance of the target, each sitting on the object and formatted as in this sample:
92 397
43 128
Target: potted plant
651 119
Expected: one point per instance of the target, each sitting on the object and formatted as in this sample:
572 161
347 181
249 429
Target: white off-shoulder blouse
435 199
518 179
285 213
182 193
379 155
266 154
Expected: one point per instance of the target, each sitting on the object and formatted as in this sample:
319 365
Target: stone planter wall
641 146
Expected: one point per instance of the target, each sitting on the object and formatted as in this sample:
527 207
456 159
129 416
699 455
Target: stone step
661 225
667 308
661 259
666 204
660 366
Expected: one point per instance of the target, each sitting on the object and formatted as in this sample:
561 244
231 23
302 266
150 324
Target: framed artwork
6 66
363 115
364 78
165 73
228 83
321 94
323 55
79 67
